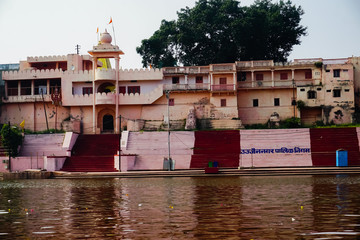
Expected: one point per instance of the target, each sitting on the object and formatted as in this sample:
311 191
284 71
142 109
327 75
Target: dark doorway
108 123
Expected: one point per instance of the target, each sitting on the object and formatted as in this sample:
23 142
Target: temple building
82 93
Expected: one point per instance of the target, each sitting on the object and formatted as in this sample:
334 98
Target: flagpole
112 24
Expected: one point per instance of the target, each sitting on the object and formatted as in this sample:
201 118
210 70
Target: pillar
32 87
272 78
252 78
234 80
94 93
117 127
47 87
6 89
19 88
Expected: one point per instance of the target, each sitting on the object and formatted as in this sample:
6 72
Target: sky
48 27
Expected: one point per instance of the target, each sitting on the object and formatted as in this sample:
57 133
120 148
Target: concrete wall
261 114
34 115
275 139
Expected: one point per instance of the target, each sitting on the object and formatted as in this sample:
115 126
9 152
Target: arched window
311 94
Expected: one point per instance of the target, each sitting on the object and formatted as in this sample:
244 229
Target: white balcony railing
104 74
186 70
223 88
187 87
277 83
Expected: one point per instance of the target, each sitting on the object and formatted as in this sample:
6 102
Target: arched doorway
106 88
108 123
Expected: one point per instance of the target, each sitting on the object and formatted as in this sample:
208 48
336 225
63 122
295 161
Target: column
48 87
94 94
211 81
117 127
19 88
234 80
292 74
186 79
252 78
272 78
6 89
32 87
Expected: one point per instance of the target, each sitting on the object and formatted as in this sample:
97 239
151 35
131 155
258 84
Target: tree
11 139
220 31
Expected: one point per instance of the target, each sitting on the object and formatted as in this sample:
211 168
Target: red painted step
325 142
93 153
216 146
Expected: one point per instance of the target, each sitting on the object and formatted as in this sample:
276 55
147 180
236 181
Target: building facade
92 97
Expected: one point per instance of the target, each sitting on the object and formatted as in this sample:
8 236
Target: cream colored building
94 97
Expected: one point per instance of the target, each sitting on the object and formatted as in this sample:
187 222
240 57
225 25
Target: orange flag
110 20
97 30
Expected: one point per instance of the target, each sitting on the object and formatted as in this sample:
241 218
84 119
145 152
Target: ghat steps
93 153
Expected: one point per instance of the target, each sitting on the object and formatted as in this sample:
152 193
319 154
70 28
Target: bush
318 64
300 104
291 123
11 139
256 126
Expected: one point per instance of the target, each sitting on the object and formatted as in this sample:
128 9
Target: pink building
94 97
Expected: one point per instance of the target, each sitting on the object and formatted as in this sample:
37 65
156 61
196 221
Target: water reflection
294 207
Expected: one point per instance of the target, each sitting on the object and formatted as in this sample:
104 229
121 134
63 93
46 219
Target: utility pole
120 143
77 48
42 96
294 101
168 113
9 149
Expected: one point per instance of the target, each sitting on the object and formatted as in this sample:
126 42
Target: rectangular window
122 89
308 75
328 90
336 72
25 87
222 81
199 79
171 102
347 90
283 76
255 102
345 70
336 93
311 94
223 102
276 101
175 80
241 76
133 89
12 88
259 77
87 90
40 85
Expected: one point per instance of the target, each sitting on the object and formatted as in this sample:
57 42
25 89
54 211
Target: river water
280 207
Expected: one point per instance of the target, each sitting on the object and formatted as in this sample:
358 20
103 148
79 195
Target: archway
106 88
108 123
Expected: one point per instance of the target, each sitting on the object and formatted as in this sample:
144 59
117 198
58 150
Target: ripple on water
183 208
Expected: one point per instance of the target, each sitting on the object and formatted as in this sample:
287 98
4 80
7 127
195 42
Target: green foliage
319 123
256 126
11 138
300 104
318 64
291 123
52 130
222 31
